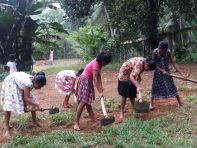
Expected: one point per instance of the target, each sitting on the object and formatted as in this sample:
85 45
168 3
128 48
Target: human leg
78 115
179 100
151 107
122 106
132 100
6 126
65 103
34 119
91 113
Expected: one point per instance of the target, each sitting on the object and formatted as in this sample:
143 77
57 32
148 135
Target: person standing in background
11 64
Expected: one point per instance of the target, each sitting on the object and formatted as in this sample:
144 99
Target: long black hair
104 57
79 72
40 79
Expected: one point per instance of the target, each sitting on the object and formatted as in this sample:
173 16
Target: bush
89 41
185 52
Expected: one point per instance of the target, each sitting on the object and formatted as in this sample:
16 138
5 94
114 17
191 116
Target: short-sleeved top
132 67
22 80
162 62
88 71
12 66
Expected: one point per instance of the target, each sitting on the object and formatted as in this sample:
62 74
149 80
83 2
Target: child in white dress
16 96
11 64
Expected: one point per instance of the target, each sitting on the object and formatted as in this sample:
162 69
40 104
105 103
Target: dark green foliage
89 41
180 51
78 10
3 75
185 52
18 31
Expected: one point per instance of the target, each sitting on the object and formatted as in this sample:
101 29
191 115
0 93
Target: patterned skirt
85 90
163 86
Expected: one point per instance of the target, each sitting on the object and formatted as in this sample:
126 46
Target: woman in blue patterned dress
163 85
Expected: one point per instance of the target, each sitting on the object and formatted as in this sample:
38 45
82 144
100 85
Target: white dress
12 91
12 66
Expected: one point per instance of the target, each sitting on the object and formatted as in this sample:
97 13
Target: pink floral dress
64 82
12 91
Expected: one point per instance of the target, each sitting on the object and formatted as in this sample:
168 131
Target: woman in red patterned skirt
85 89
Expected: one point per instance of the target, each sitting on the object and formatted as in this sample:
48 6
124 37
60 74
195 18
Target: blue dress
163 86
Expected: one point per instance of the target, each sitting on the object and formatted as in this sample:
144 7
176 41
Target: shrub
89 40
185 52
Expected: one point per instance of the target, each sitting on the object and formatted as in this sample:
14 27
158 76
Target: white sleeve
8 64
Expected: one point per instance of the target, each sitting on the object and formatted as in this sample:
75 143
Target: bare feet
76 127
120 120
67 105
7 134
36 124
151 107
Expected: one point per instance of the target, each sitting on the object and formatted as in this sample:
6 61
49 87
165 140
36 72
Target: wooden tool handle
103 107
46 109
179 77
139 95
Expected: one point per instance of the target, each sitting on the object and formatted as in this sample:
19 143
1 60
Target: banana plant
18 30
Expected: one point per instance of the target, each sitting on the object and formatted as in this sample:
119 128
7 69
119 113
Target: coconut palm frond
99 16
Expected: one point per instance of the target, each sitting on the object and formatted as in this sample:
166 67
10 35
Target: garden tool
180 77
107 119
75 98
52 110
140 105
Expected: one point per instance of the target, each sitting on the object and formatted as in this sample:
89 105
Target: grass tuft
61 118
193 98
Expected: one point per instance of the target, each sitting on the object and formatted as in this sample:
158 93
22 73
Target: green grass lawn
176 130
171 131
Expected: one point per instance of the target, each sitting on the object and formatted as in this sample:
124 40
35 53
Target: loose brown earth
48 96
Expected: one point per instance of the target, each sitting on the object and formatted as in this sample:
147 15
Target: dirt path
49 96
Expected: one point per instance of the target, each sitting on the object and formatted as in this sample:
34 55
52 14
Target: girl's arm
73 85
97 82
100 81
27 98
136 83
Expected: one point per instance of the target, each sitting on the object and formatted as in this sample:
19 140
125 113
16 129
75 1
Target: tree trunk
110 27
152 24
